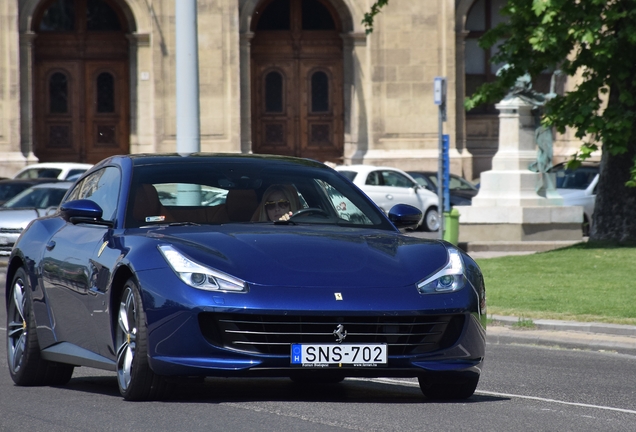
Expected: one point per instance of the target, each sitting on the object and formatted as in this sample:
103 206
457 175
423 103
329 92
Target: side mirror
83 211
405 216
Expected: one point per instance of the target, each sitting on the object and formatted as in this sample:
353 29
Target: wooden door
106 101
58 110
297 80
82 110
275 84
321 113
81 81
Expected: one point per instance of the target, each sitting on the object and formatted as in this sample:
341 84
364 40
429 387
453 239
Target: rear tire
135 378
26 366
448 387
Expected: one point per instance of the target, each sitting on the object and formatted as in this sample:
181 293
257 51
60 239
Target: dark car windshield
239 192
9 190
575 179
40 198
52 173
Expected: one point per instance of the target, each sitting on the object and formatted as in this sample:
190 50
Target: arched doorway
297 80
81 81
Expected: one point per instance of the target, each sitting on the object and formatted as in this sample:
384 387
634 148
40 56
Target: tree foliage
595 42
369 17
588 38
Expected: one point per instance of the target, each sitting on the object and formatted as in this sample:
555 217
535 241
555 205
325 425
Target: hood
316 256
17 218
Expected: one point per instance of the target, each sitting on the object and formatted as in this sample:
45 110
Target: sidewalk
565 334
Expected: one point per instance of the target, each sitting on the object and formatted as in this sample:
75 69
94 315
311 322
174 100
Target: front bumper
184 338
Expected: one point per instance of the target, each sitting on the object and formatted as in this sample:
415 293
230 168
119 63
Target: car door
388 188
75 268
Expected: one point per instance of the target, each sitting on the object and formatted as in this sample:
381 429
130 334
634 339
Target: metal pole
440 171
439 96
187 57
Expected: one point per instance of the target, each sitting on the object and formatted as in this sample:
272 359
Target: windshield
456 183
40 173
9 190
578 179
252 191
40 198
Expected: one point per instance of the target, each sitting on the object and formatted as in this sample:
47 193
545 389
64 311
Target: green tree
369 17
594 41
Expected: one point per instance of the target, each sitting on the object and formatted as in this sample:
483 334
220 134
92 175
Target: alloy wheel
17 327
126 337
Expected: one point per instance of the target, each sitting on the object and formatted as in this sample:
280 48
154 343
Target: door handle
50 245
389 196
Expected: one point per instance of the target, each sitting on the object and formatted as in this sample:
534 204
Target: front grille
273 334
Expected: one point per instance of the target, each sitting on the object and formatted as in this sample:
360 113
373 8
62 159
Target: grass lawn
586 282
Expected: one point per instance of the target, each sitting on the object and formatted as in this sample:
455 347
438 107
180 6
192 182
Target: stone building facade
83 79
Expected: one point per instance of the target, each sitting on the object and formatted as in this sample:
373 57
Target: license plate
338 355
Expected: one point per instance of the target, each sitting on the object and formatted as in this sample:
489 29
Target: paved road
523 387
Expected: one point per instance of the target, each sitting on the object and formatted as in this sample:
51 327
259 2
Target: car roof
29 180
366 168
62 165
584 164
53 185
201 157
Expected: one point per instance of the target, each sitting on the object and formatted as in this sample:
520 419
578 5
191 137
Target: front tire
447 387
431 220
26 366
135 378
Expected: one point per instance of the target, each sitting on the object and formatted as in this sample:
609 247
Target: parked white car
387 186
53 170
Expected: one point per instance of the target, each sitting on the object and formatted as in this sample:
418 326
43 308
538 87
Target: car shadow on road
228 390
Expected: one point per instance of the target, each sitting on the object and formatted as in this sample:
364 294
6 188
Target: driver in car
279 203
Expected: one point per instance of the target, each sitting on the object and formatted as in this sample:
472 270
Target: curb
565 334
575 326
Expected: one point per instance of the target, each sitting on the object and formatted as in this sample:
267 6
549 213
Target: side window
344 207
189 194
102 187
351 175
373 179
395 179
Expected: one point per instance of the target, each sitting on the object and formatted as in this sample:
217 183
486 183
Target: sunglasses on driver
282 204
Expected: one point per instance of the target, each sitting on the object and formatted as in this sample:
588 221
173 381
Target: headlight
449 279
198 276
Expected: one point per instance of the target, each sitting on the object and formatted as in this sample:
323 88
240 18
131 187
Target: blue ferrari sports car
161 267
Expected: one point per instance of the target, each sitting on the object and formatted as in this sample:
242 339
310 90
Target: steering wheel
309 211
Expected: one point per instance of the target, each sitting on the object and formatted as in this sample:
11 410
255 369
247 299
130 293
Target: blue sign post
439 97
446 173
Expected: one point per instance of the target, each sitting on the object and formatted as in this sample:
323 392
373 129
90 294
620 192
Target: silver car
32 203
578 188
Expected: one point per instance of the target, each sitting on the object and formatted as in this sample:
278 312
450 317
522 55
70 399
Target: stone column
142 91
246 92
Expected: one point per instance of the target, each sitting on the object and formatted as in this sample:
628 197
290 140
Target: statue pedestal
507 207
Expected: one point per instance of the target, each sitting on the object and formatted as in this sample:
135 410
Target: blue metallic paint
289 269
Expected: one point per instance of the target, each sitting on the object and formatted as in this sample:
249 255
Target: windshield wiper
184 224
